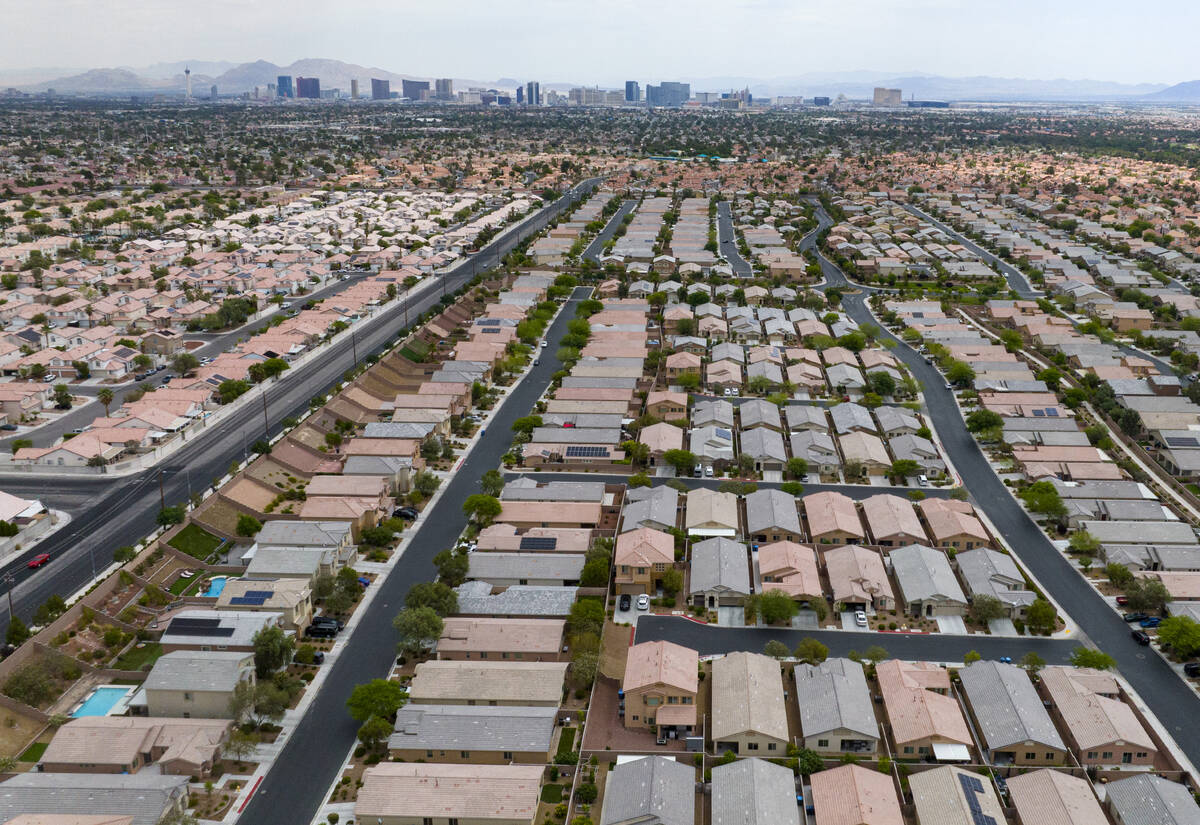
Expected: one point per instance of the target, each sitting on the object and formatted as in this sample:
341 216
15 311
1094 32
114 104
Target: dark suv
321 631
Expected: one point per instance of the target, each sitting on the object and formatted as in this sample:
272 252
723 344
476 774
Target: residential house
766 448
143 798
854 795
127 744
754 792
771 517
926 721
710 513
748 716
836 711
817 448
832 518
406 793
992 573
492 639
892 521
950 795
953 524
654 790
656 507
866 451
792 568
1100 728
659 687
927 583
641 557
474 734
1049 797
1145 798
494 684
857 579
720 573
1010 718
195 684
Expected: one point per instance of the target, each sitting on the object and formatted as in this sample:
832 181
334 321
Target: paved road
596 247
727 241
710 640
111 512
295 786
82 415
1160 687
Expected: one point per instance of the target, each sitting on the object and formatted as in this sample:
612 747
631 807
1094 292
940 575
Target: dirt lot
614 644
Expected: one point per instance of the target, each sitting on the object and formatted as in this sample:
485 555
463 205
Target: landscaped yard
34 752
139 658
566 741
186 587
195 541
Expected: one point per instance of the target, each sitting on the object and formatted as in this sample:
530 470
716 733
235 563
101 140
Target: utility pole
162 496
266 420
11 582
353 345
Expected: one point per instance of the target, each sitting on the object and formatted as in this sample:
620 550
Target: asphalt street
1159 686
109 512
727 241
296 785
596 247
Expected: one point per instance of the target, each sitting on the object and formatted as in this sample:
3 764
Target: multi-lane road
109 512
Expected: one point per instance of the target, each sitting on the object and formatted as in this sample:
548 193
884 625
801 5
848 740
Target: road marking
250 795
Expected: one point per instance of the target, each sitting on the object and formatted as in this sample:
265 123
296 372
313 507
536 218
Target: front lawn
195 541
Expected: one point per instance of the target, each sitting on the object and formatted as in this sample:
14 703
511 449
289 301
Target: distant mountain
167 71
1188 92
101 81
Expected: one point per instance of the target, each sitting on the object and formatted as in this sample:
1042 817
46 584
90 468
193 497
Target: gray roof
1007 706
763 444
834 696
200 671
375 465
803 415
499 565
754 792
756 412
717 412
278 560
924 573
1154 556
584 420
895 418
1151 800
576 435
771 508
815 446
649 506
653 790
234 628
992 573
1101 489
475 598
397 429
850 416
725 349
145 796
303 533
473 728
527 489
1141 532
720 564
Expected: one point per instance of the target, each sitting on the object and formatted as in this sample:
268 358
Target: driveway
951 625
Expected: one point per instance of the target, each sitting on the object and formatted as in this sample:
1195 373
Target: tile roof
747 697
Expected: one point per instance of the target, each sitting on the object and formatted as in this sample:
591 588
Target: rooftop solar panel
538 543
577 451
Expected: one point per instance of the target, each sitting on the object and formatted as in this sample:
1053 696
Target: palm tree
105 397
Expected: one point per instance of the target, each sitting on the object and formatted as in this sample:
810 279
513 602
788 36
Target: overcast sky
603 42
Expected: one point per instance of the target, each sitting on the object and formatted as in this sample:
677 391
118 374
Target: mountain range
231 78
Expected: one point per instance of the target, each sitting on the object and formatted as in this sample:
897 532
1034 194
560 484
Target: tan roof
70 819
1048 797
644 547
940 798
1093 720
661 437
889 515
502 536
830 512
856 574
747 691
947 517
667 663
539 682
854 795
337 485
794 565
863 447
118 740
474 792
499 635
550 512
915 712
709 508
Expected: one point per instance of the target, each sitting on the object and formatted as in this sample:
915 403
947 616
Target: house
867 451
748 712
803 417
754 792
681 363
712 446
892 521
832 518
482 598
771 517
1145 798
766 448
720 573
953 524
927 583
404 793
195 684
488 683
291 597
138 799
660 438
850 417
334 535
710 513
660 684
792 568
713 413
1049 797
199 629
836 712
479 638
126 744
857 578
654 790
1100 728
668 406
502 569
641 557
817 448
854 795
1010 718
655 507
475 734
992 573
926 721
950 795
897 421
757 412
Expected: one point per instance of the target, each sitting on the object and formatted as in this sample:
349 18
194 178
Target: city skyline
749 38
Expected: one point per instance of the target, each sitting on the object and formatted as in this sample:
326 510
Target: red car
1122 600
37 561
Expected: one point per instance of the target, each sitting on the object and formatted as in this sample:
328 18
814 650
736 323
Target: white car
860 618
643 602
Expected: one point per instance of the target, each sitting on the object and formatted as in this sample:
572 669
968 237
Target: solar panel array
972 789
1182 441
538 543
252 598
725 434
587 452
1049 412
198 627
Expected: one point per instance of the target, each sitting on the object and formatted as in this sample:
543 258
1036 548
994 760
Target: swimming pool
215 585
102 701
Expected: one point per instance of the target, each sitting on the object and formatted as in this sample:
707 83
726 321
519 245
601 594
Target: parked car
37 561
1135 617
8 427
320 631
708 471
643 602
698 470
406 513
329 621
319 658
1192 669
537 361
1153 621
923 481
860 618
1141 637
1122 600
624 602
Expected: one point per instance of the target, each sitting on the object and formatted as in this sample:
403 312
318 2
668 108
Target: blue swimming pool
102 701
215 586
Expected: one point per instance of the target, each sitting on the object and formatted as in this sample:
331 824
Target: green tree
105 397
960 373
809 762
527 424
774 606
481 508
682 460
1118 575
1032 663
775 649
1089 657
62 397
811 651
595 572
905 468
1042 497
419 629
672 582
168 516
240 744
17 633
436 595
184 363
1084 542
797 467
247 525
980 420
492 483
378 697
1181 634
875 654
984 608
1041 617
426 483
374 731
272 650
1148 595
452 567
587 616
971 656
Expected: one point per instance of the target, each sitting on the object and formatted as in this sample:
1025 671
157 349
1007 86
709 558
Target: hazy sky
608 40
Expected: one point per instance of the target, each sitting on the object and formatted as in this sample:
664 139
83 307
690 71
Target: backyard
195 541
